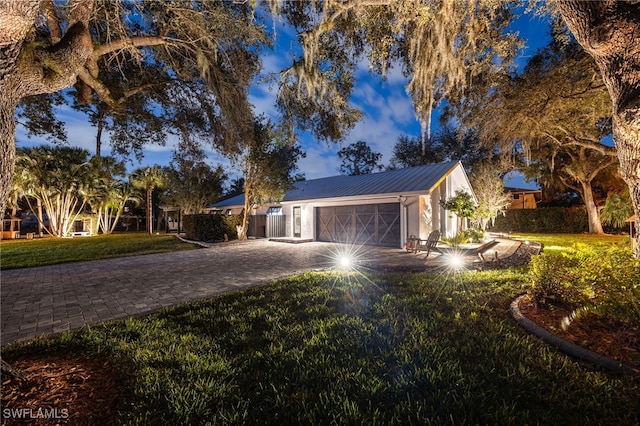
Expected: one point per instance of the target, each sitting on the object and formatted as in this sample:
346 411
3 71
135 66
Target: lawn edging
565 346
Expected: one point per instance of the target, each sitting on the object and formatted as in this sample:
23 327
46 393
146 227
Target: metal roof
236 200
411 179
408 180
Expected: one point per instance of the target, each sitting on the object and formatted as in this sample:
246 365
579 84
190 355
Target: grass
50 251
559 242
328 348
348 348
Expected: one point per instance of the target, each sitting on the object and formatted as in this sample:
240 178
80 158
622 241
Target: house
524 198
375 209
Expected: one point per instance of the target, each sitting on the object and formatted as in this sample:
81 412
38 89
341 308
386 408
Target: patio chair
431 243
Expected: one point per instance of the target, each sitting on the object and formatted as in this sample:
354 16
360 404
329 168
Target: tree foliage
557 111
359 159
440 44
269 161
193 60
110 192
192 184
448 144
487 183
617 210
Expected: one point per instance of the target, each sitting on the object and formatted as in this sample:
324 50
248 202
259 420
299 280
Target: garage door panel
373 224
325 223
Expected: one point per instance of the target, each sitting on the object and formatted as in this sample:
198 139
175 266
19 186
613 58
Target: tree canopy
190 59
557 111
359 159
192 183
268 160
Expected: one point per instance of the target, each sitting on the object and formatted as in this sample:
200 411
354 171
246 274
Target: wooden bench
80 234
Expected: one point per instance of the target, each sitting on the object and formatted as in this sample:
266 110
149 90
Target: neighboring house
524 198
375 209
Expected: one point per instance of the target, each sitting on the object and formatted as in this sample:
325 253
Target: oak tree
609 31
48 46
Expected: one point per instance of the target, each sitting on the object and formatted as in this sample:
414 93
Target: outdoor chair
430 243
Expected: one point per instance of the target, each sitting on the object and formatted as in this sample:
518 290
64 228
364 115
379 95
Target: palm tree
149 178
617 210
110 193
59 179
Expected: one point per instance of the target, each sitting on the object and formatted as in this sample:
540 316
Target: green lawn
348 348
557 242
49 251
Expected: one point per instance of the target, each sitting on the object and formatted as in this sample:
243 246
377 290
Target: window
274 211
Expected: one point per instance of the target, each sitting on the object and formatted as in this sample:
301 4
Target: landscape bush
602 281
470 235
211 227
545 219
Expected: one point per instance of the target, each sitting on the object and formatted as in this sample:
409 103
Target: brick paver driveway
52 299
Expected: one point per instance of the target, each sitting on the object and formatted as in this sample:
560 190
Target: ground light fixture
456 262
345 262
346 257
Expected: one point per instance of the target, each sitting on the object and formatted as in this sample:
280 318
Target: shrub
600 280
544 220
472 235
211 227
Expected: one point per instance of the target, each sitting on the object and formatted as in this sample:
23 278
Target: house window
516 196
274 211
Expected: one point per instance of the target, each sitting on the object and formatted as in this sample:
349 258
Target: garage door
372 224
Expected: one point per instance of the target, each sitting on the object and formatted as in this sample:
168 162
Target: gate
276 226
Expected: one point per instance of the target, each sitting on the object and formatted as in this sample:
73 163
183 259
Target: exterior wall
412 220
524 201
419 214
430 214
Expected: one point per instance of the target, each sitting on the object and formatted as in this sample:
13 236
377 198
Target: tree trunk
595 225
626 133
609 31
150 210
7 144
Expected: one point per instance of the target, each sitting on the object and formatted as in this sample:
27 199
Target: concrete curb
568 348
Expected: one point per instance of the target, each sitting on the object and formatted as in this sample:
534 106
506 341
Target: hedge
544 219
211 227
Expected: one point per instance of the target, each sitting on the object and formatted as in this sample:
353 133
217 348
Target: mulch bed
601 334
58 390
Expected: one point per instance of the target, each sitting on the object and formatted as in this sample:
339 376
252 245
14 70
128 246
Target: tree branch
128 42
49 10
101 90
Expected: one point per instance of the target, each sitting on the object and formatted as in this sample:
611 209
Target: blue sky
388 111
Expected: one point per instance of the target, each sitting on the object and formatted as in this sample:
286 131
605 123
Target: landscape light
345 262
456 261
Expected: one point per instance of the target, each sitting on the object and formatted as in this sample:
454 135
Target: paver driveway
52 299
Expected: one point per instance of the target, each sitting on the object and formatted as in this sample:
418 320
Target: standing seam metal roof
411 179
